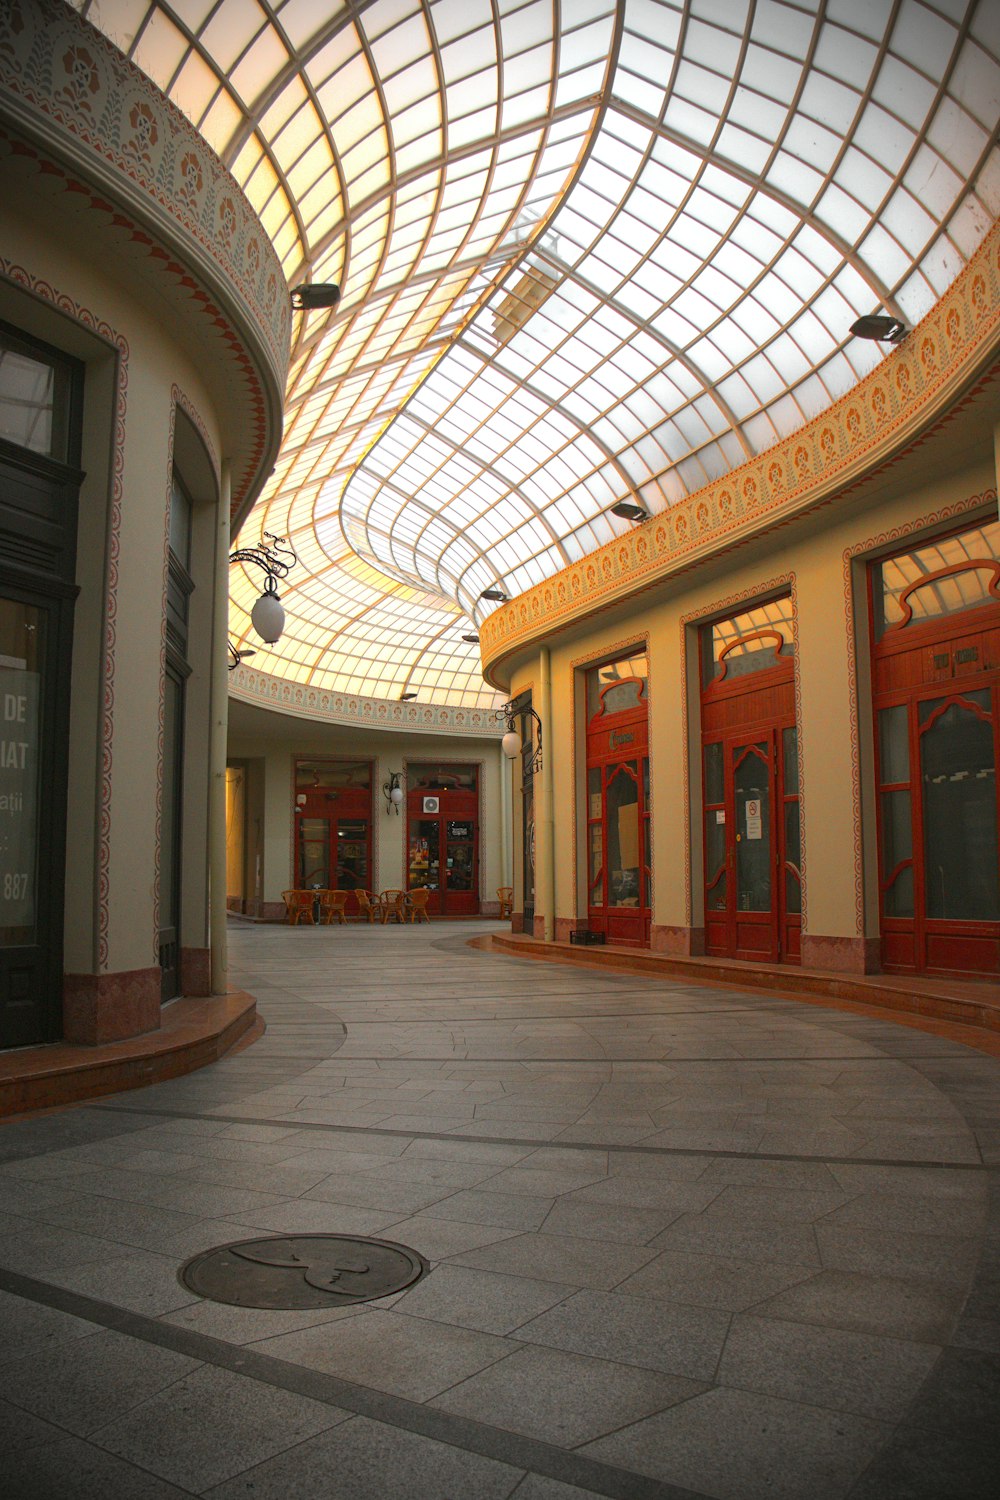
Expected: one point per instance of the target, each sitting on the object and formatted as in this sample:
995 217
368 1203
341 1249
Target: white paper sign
753 818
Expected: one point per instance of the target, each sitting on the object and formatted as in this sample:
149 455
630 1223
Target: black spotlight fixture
495 594
881 327
314 294
235 656
405 697
629 512
473 640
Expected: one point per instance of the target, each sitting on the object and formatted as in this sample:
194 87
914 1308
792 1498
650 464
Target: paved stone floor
684 1241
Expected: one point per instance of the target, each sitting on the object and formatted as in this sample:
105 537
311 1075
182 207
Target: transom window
961 572
748 642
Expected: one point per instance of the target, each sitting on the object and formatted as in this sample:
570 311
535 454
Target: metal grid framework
589 252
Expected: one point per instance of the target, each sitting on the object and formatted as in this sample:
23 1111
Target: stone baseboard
110 1007
842 955
196 971
684 942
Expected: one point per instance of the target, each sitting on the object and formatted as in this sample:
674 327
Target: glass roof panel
560 288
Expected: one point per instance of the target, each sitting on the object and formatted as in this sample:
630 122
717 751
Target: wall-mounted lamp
629 512
276 560
512 744
881 327
393 792
235 657
312 295
496 594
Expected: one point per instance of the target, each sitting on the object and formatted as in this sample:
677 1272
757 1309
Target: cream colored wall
278 740
156 362
812 557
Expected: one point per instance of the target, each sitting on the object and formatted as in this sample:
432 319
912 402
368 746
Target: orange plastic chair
505 895
417 901
393 906
298 906
331 906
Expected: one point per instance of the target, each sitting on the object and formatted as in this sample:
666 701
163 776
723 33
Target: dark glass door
939 831
170 847
32 820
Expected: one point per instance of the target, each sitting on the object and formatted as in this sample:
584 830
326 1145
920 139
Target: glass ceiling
589 252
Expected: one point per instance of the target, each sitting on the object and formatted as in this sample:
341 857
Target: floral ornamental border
254 402
264 690
886 408
59 65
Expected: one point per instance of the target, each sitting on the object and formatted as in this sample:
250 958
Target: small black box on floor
586 938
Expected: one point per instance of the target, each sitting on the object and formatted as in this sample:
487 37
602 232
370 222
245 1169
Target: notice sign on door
19 728
752 809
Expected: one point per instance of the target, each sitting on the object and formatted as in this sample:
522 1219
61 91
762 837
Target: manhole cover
302 1270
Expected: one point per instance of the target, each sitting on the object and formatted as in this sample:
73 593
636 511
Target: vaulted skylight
588 251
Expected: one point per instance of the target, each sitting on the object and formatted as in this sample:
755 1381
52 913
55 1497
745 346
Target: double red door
619 852
753 882
443 849
937 711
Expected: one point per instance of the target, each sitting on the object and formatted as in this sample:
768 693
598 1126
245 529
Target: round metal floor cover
302 1270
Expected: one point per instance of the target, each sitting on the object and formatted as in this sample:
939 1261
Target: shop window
35 398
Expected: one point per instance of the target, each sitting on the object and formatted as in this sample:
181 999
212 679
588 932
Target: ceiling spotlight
496 594
473 640
629 512
880 327
311 295
404 697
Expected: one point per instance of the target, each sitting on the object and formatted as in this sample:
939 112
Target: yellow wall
274 741
810 559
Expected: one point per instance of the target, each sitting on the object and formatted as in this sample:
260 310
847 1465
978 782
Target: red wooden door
936 694
752 836
618 831
753 899
443 849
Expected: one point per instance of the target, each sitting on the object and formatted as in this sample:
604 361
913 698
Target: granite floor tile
212 1425
76 1470
563 1398
411 1357
368 1460
736 1445
674 1339
84 1384
559 1258
711 1281
505 1210
898 1308
482 1300
140 1281
871 1375
29 1328
937 1258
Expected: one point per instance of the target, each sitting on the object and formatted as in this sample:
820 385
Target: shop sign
620 737
460 830
19 747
